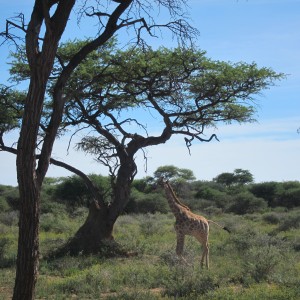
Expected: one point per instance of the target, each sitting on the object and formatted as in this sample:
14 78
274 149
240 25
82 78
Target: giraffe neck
174 206
175 199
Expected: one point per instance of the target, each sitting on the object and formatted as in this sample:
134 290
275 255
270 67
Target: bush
266 190
291 221
260 253
57 224
150 224
4 242
272 218
9 196
289 198
146 203
3 204
189 286
261 262
9 218
245 203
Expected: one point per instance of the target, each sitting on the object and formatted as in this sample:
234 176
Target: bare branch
19 23
188 141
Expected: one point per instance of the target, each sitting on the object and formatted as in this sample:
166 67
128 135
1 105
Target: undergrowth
259 259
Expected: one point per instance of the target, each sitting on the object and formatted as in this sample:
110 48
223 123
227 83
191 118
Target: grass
260 259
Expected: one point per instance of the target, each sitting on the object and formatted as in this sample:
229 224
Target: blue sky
264 31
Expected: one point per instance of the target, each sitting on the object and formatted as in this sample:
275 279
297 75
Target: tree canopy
180 89
238 177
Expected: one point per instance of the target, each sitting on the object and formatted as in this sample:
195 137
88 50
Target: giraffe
188 223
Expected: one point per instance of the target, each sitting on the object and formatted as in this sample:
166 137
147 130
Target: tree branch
98 196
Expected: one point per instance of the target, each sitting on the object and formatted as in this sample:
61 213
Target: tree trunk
28 244
29 188
30 177
96 234
93 234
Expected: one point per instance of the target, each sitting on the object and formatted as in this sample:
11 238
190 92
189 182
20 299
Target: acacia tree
43 33
238 177
172 172
184 91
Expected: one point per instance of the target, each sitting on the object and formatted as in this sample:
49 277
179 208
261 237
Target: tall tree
43 33
111 94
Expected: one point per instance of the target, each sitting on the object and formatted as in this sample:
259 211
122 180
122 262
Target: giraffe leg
180 245
205 253
207 256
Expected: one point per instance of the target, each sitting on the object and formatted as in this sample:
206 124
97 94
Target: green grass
260 259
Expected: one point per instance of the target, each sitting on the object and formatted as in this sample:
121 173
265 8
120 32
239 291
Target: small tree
238 177
227 179
173 173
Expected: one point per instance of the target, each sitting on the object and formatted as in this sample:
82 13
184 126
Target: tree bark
30 177
93 234
96 234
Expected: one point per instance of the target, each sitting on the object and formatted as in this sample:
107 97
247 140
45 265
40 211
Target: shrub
260 262
7 257
189 286
266 190
289 198
9 218
296 244
146 203
272 218
13 200
292 221
243 239
260 254
57 224
150 225
247 203
4 242
3 204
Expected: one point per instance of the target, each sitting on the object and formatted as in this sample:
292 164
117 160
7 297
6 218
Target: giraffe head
160 181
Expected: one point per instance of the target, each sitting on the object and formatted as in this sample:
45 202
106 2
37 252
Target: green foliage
9 218
262 259
73 191
289 197
238 177
9 196
290 221
189 285
247 203
11 105
56 224
254 261
144 185
146 203
285 194
171 172
3 204
272 217
266 190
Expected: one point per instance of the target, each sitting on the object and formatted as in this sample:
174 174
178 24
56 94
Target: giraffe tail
223 227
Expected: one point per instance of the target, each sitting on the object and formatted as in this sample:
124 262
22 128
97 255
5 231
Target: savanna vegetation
259 259
91 85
